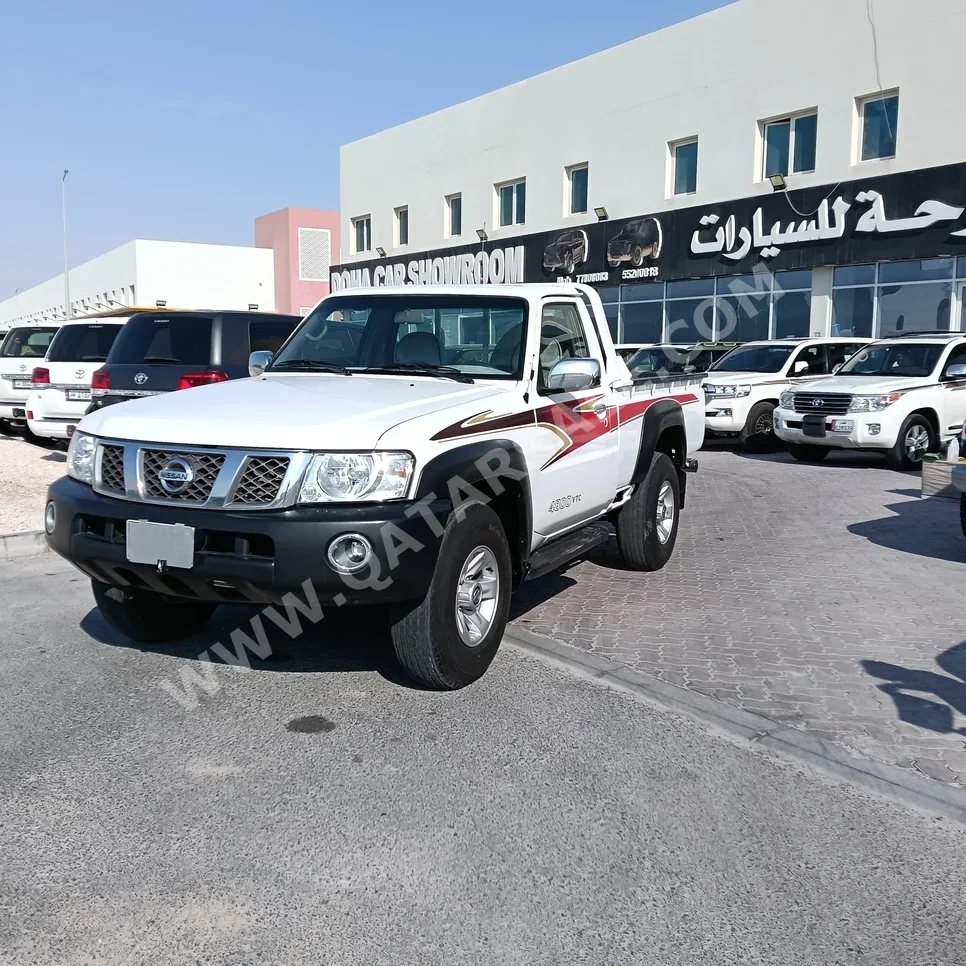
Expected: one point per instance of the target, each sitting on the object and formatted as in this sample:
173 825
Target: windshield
754 358
83 342
891 359
29 342
668 359
164 341
474 335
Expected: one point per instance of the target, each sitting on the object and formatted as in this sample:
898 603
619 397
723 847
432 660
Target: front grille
205 468
260 481
823 403
112 468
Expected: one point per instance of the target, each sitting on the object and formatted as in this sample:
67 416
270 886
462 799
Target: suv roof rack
934 334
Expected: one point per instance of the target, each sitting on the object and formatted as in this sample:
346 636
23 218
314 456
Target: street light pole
63 198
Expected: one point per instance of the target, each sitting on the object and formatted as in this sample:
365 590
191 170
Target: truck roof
538 289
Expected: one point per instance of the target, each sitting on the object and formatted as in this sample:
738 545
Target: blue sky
185 120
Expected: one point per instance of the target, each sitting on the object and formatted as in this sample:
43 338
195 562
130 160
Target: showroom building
765 170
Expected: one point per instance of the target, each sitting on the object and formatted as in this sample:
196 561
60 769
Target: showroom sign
917 214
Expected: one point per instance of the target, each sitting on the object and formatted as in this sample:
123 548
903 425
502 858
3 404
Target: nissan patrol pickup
904 397
410 471
742 389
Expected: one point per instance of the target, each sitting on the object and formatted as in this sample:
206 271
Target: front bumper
851 431
726 414
251 557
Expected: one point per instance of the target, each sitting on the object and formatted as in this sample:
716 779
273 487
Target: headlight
787 399
873 404
80 457
728 390
357 477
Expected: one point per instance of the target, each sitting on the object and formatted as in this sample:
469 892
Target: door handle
600 409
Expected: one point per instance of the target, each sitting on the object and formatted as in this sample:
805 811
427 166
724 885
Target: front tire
449 638
647 524
912 444
148 617
758 433
806 453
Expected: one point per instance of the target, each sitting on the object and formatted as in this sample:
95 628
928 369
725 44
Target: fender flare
468 462
664 414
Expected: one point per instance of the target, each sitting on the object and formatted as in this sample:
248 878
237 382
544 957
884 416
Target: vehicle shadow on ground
536 592
923 712
352 639
924 527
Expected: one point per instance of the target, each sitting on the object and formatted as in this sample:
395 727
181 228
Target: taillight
30 414
40 377
189 380
101 380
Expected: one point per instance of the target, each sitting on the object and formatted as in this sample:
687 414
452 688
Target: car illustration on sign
636 241
568 250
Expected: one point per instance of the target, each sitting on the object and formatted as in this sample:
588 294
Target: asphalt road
317 810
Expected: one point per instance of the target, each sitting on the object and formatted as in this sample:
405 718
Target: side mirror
572 375
956 372
689 369
835 369
800 367
258 362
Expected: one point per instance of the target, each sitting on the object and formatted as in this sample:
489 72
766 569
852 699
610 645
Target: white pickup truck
428 448
903 396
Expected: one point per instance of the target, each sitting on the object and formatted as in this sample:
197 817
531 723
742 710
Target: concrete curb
888 780
22 544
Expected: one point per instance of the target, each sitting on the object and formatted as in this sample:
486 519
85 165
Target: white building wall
141 272
715 76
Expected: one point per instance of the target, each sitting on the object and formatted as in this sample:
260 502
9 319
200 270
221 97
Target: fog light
724 412
50 517
875 429
349 553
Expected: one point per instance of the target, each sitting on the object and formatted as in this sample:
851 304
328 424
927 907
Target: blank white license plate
21 385
154 543
78 395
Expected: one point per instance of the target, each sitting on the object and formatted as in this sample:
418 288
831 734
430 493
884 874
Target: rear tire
469 595
647 524
807 453
148 617
758 433
914 441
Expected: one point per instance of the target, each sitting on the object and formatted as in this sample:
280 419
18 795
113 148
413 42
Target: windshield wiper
443 372
308 364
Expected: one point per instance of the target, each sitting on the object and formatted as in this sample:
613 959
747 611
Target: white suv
904 396
743 388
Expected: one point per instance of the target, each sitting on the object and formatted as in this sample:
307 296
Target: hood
866 385
742 378
308 411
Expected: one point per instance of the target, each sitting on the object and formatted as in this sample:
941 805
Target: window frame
792 121
515 219
861 103
569 173
585 329
400 215
355 223
448 215
673 148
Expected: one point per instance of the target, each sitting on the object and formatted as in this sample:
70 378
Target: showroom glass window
790 145
880 125
685 164
875 301
513 203
577 177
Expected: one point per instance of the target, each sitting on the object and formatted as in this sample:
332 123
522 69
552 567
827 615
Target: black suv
687 359
162 351
566 251
636 241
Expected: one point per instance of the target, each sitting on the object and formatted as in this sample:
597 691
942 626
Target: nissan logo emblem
141 378
175 475
818 403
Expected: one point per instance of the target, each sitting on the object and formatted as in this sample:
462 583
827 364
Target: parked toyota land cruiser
22 349
385 476
904 397
742 388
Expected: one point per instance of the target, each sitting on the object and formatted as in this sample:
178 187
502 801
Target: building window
577 189
512 199
876 301
362 234
454 216
879 124
789 145
684 167
402 226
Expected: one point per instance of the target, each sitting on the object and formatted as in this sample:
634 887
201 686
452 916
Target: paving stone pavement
824 596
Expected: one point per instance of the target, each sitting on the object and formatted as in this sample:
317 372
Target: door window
839 352
956 358
562 336
817 361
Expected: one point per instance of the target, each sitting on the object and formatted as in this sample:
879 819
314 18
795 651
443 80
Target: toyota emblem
23 368
175 475
80 373
141 378
818 403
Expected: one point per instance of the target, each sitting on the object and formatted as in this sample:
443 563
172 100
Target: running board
564 549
